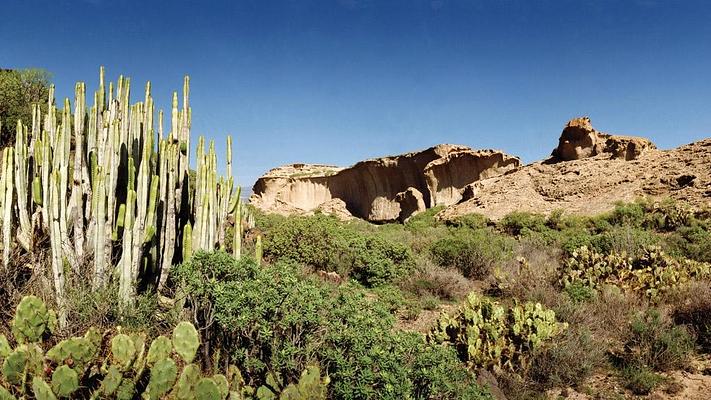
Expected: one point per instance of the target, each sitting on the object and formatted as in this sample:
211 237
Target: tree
19 89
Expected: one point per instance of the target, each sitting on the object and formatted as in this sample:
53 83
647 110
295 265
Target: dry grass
444 283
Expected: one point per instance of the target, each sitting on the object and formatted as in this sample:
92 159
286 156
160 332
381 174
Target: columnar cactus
106 186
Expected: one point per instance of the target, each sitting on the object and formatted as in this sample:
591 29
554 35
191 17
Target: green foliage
522 223
325 243
641 380
656 343
650 274
32 320
473 253
487 334
19 89
579 292
122 374
276 323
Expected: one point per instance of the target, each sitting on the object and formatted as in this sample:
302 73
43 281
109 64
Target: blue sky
342 80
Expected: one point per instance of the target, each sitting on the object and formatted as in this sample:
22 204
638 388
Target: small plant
641 380
474 253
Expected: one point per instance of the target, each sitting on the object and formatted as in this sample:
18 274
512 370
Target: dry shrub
692 307
530 275
444 283
569 360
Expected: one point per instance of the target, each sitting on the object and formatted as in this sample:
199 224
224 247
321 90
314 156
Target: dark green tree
19 89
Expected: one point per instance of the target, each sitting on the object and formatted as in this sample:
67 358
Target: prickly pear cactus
123 351
159 350
111 381
13 367
6 395
186 341
189 378
207 389
5 348
163 376
650 274
488 334
41 390
65 381
32 320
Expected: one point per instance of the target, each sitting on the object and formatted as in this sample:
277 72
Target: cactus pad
160 349
207 389
186 341
123 350
65 381
42 390
163 376
32 320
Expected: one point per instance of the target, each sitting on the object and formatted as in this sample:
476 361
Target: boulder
580 140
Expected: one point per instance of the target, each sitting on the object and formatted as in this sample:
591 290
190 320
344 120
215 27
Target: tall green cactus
87 170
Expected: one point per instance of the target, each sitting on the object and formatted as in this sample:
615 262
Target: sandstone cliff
382 189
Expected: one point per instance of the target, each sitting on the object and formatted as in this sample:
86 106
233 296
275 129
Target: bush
651 273
694 311
275 321
521 223
627 214
640 380
692 242
626 239
569 360
473 253
325 243
655 342
443 283
486 334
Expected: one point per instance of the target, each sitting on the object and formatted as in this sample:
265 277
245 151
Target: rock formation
382 189
592 185
580 140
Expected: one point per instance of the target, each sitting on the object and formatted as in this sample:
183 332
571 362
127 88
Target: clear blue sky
342 80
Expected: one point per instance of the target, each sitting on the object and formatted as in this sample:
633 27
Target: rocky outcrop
593 185
580 140
382 189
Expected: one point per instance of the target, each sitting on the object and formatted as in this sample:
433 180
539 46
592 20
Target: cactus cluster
652 273
487 334
80 367
107 186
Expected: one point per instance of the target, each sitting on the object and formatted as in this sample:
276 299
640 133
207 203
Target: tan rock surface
580 140
379 189
592 185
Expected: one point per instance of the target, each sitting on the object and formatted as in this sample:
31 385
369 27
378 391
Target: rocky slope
381 189
596 180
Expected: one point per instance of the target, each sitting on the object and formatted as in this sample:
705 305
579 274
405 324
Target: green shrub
692 242
641 380
471 221
275 322
625 239
655 342
694 312
487 334
472 252
627 214
325 243
521 223
579 292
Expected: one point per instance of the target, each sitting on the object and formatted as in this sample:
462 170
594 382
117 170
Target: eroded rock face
382 189
580 140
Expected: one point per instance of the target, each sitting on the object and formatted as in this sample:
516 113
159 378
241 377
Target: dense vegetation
19 90
314 307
